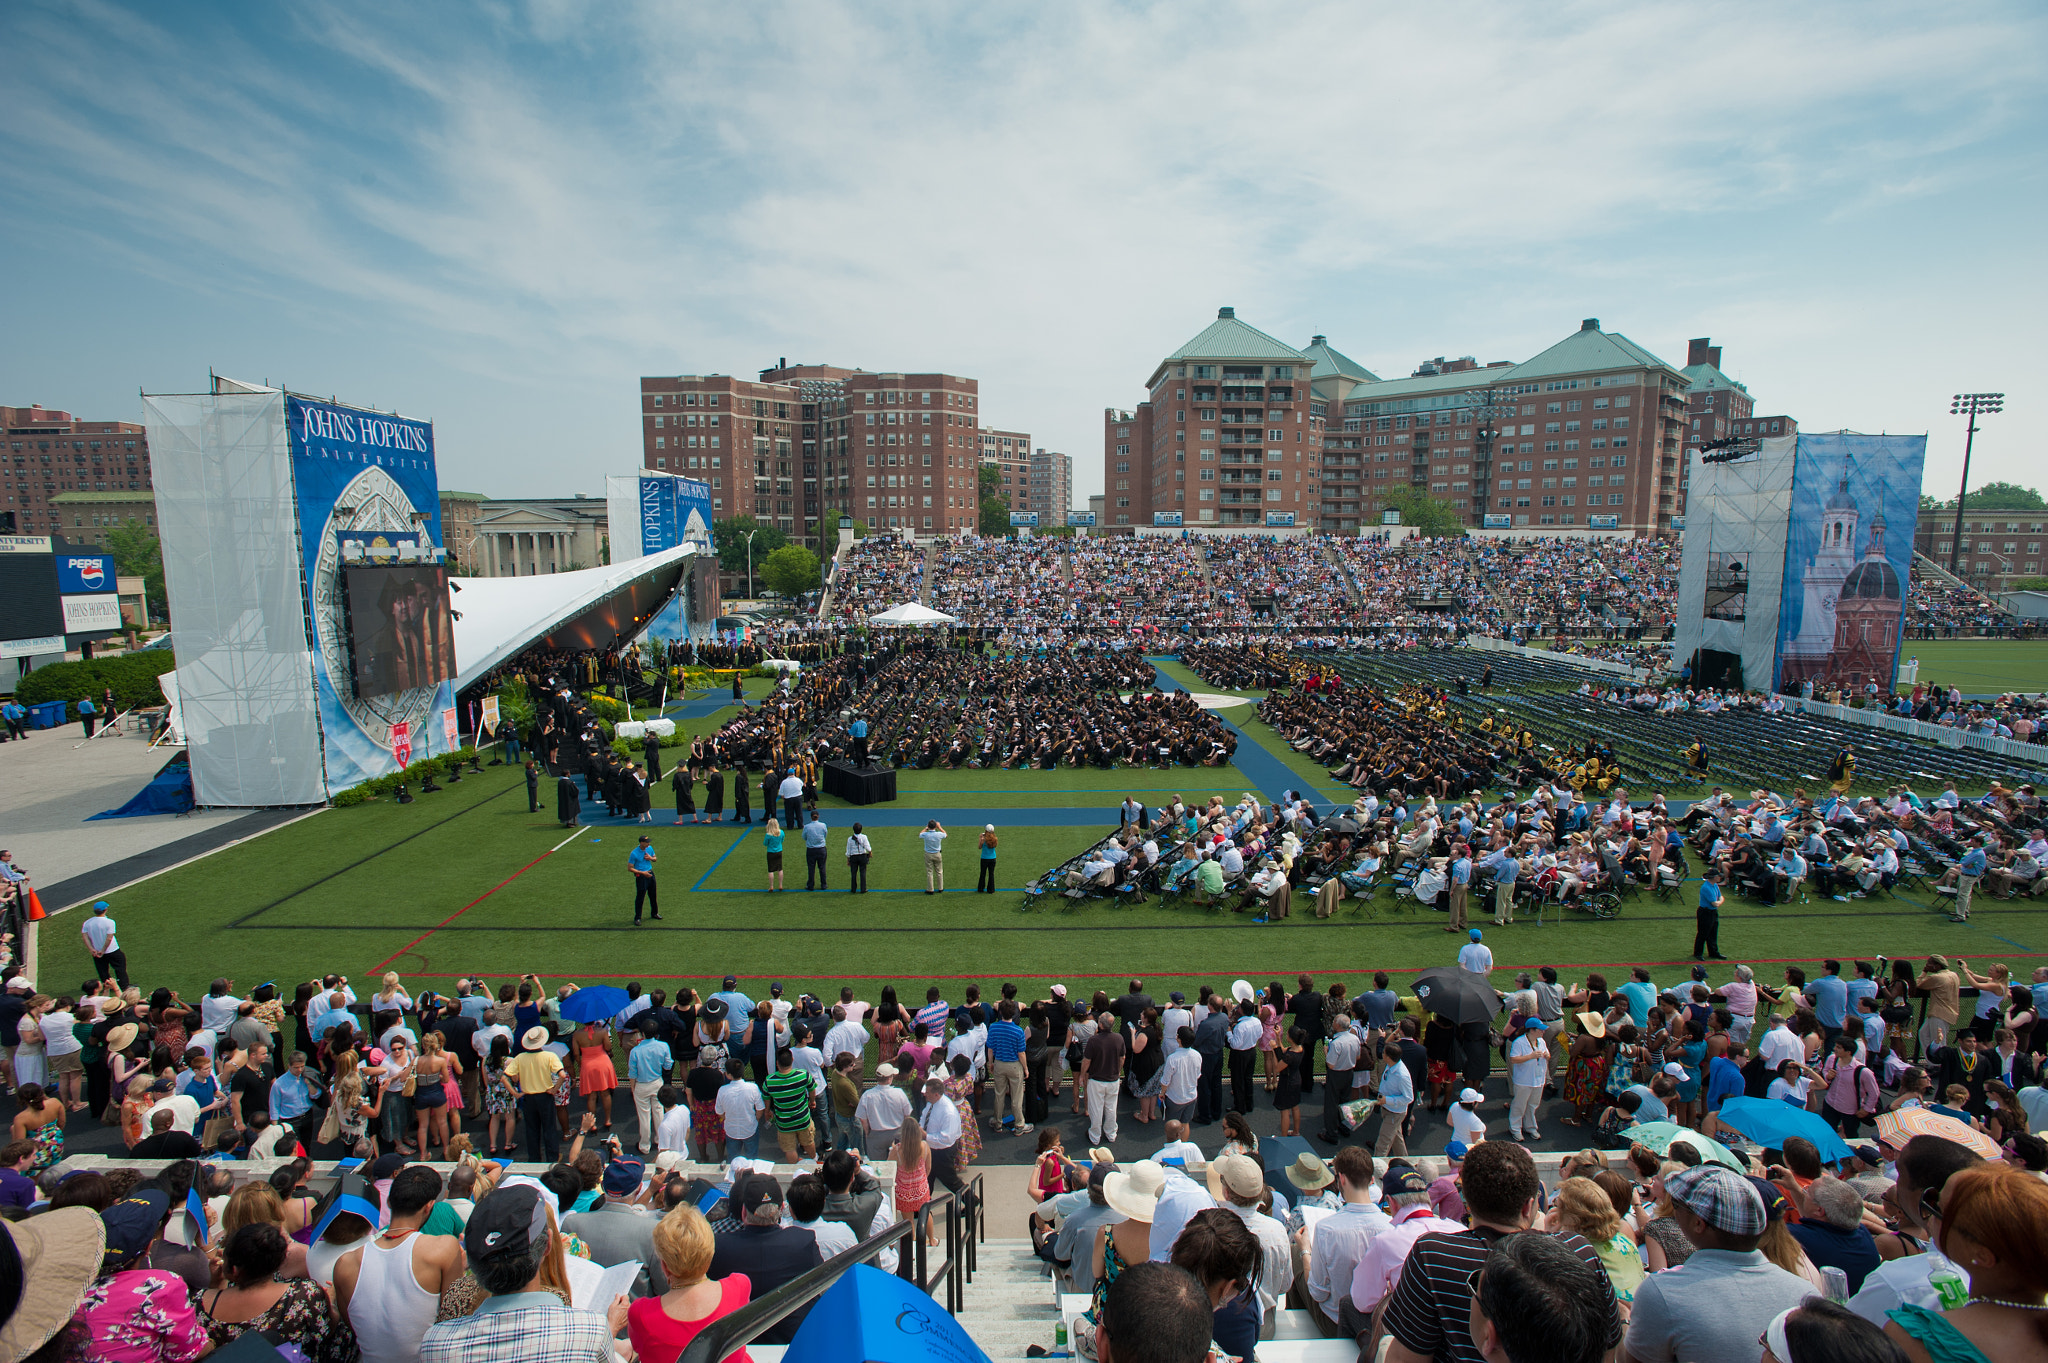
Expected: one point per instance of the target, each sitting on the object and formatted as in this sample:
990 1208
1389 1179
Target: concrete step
1009 1339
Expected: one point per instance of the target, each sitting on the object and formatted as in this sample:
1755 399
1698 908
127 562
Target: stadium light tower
1971 405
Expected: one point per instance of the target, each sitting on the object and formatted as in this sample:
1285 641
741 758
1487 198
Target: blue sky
498 216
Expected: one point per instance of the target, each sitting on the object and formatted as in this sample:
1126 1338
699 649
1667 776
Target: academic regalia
680 782
533 790
714 794
652 747
567 807
738 691
742 794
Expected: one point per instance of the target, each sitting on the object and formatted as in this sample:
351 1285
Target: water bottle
1949 1286
1834 1284
1059 1335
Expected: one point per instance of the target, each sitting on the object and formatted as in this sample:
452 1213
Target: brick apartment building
86 517
1591 427
897 451
50 452
1719 408
1225 436
1999 547
1009 452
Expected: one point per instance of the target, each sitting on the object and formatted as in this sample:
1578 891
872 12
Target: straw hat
1594 1023
54 1257
1309 1172
1135 1192
122 1037
534 1038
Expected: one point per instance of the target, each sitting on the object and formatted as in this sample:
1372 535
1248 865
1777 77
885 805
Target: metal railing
966 1227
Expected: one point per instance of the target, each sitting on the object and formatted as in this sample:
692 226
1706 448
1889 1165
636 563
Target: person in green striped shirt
788 1091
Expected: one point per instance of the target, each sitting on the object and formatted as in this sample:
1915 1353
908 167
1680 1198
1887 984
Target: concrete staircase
924 581
1010 1305
1343 571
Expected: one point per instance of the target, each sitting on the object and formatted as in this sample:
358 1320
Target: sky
498 216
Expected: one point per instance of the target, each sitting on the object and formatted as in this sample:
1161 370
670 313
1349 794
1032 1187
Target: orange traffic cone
35 907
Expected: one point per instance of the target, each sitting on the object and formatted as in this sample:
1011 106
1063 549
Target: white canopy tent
500 617
911 613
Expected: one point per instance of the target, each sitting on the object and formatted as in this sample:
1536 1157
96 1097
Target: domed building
1868 616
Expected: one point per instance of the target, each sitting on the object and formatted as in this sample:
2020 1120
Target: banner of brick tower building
1848 557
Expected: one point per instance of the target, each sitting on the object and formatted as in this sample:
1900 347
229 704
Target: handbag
330 1125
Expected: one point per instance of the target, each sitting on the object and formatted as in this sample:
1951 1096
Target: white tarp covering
497 618
1737 521
911 613
227 518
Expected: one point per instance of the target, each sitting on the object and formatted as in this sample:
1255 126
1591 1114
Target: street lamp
750 561
1971 405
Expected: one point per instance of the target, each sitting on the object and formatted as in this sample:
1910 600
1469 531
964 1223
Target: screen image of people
399 627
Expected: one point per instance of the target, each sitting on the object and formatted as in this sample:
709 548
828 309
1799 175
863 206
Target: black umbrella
1458 995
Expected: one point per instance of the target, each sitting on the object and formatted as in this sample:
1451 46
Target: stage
860 785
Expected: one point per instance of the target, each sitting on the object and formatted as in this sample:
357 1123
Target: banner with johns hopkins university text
361 476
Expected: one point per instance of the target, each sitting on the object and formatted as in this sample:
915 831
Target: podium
860 785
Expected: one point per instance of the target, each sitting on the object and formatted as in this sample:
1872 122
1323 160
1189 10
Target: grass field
468 882
1981 666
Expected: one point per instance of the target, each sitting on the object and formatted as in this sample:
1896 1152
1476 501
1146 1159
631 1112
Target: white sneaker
1026 1130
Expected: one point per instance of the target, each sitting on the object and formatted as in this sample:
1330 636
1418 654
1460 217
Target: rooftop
1588 350
1706 378
1331 362
1226 338
76 498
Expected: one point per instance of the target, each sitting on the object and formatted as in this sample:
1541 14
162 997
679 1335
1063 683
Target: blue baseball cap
1455 1151
1474 934
99 904
1535 1025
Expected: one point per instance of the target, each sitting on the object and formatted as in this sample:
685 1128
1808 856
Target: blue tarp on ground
168 792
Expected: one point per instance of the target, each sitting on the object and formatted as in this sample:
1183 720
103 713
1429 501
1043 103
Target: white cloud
1045 199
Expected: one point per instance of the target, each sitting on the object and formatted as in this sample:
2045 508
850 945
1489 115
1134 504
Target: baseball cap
988 828
1474 934
132 1224
1868 1153
886 1071
1178 997
509 1221
755 1191
730 981
1059 991
1675 1070
1469 1097
1535 1025
1455 1151
1720 1197
100 904
622 1176
1405 1181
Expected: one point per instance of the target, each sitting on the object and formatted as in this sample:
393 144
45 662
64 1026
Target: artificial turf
466 881
1981 666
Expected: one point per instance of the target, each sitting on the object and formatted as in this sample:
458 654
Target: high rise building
1051 489
1224 437
1719 408
50 452
801 442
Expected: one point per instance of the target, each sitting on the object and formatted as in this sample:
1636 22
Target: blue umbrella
594 1003
1770 1122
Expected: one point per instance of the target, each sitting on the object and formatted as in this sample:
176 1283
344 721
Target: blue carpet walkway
1267 773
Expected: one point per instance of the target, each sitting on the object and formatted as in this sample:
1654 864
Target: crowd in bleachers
1937 608
876 574
1286 582
1156 580
988 581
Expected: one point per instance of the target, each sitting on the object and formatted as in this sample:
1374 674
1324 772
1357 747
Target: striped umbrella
1897 1127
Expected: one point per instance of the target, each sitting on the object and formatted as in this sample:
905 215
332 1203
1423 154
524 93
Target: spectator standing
1336 1245
767 1252
934 839
815 832
1006 1042
108 960
508 1239
1102 1066
390 1288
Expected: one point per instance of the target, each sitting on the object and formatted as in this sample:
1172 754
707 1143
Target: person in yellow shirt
534 1070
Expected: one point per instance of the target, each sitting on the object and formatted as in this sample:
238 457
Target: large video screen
29 607
400 634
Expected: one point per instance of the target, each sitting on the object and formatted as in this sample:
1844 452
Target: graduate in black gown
568 808
651 745
681 783
714 792
742 811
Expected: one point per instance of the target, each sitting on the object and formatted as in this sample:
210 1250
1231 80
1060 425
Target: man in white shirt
672 1132
1237 1183
1335 1244
881 1112
1179 1147
1181 1081
846 1036
481 1042
740 1104
219 1007
1780 1044
1180 1197
1176 1016
941 1122
108 960
1231 860
1476 956
1396 1095
804 1208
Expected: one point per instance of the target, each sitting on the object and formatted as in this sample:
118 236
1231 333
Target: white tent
911 613
500 617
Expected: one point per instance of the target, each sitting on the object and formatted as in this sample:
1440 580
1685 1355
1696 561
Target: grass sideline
1981 666
468 882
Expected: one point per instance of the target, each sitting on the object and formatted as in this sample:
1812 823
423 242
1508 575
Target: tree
829 525
2029 584
1994 496
791 570
1432 517
995 516
138 553
729 537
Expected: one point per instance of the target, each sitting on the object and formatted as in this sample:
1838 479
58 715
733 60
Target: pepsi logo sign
90 572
